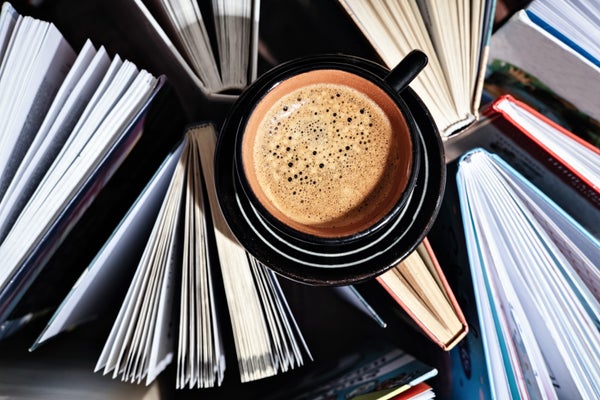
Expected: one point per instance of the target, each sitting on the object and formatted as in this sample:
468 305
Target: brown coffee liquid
326 157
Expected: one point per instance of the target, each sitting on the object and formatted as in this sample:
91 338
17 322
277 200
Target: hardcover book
536 284
455 37
551 157
536 46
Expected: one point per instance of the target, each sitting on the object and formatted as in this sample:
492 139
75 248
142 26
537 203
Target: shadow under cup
326 156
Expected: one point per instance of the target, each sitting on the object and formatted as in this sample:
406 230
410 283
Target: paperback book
185 253
70 119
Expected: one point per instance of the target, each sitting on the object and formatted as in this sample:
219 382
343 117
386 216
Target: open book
185 254
560 163
208 49
419 286
198 27
69 121
454 35
537 284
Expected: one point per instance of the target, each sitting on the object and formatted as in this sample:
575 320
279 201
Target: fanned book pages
537 284
419 286
217 39
575 23
267 339
553 158
454 34
68 121
185 255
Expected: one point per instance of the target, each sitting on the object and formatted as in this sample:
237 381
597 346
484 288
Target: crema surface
326 156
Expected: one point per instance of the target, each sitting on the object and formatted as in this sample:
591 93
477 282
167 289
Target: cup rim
281 73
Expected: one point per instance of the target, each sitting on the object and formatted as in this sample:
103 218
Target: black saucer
342 263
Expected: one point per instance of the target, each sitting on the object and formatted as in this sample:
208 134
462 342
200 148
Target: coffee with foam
327 153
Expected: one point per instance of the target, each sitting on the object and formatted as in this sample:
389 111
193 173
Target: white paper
529 283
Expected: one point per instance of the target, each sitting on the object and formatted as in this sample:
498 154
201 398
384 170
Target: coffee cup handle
406 70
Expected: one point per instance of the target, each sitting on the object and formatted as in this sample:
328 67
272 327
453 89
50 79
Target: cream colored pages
450 33
254 299
413 286
224 63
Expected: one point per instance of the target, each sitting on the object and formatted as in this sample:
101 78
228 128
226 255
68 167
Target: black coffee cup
326 154
358 92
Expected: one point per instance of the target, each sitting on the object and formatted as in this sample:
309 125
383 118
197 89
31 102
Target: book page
160 347
69 173
255 358
517 345
266 336
412 301
580 249
234 24
451 34
8 20
558 314
426 258
501 373
186 27
125 344
284 311
201 362
574 22
419 277
282 325
95 282
36 78
75 92
582 158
